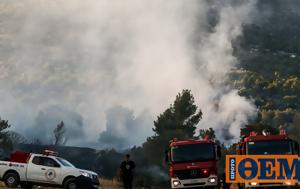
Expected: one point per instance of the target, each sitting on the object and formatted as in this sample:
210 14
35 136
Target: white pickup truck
47 170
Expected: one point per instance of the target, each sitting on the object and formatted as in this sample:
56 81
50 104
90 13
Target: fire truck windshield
270 147
192 153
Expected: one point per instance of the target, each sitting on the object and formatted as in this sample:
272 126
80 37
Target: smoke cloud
89 57
47 120
123 129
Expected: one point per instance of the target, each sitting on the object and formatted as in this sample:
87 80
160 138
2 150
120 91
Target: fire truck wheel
11 180
70 184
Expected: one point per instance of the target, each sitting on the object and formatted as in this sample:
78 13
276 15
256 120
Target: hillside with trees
269 60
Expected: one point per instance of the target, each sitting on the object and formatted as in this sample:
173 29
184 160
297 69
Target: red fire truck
193 163
264 144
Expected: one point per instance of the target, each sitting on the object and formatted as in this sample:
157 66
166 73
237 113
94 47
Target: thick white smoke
89 56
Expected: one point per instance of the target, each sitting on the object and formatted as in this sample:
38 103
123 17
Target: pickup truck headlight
85 174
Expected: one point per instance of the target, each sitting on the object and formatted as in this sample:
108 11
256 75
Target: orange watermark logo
262 168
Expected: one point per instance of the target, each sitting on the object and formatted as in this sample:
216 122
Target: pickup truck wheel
11 180
70 184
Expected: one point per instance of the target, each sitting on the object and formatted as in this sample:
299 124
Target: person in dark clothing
126 172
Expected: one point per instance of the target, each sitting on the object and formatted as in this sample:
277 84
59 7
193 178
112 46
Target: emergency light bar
282 132
50 153
253 133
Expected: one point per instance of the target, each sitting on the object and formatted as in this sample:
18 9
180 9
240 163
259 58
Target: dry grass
110 184
2 185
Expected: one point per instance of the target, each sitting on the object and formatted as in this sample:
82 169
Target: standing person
126 172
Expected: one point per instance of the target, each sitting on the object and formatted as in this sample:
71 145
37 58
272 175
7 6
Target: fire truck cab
266 144
193 163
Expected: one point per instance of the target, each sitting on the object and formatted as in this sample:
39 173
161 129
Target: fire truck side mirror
296 148
238 149
167 156
219 153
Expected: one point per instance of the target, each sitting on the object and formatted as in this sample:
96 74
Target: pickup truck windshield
192 153
64 162
270 147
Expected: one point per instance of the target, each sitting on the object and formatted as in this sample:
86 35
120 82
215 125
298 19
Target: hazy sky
112 66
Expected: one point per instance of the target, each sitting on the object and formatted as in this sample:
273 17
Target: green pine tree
178 121
5 140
